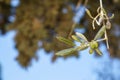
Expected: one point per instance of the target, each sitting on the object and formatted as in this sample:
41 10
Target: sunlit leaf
76 38
100 33
83 46
66 41
66 52
69 51
82 37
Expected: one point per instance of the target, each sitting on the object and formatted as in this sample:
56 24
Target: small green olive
90 51
93 44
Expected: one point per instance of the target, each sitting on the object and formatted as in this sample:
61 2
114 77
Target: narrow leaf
100 33
83 46
66 41
82 37
66 52
76 38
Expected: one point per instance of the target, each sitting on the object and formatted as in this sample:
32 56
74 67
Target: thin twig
106 37
73 26
99 40
101 4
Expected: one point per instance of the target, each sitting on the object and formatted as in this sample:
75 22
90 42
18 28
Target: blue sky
69 69
43 69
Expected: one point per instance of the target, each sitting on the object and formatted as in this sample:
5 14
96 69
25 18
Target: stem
101 40
73 26
101 4
106 37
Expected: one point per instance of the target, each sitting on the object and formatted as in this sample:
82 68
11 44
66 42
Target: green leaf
83 46
66 41
66 52
100 33
82 37
76 38
98 51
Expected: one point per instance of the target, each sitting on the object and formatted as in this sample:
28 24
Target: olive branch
84 44
101 19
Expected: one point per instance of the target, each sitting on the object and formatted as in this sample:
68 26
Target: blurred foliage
39 21
4 14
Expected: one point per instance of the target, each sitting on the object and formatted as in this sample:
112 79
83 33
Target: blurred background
27 40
